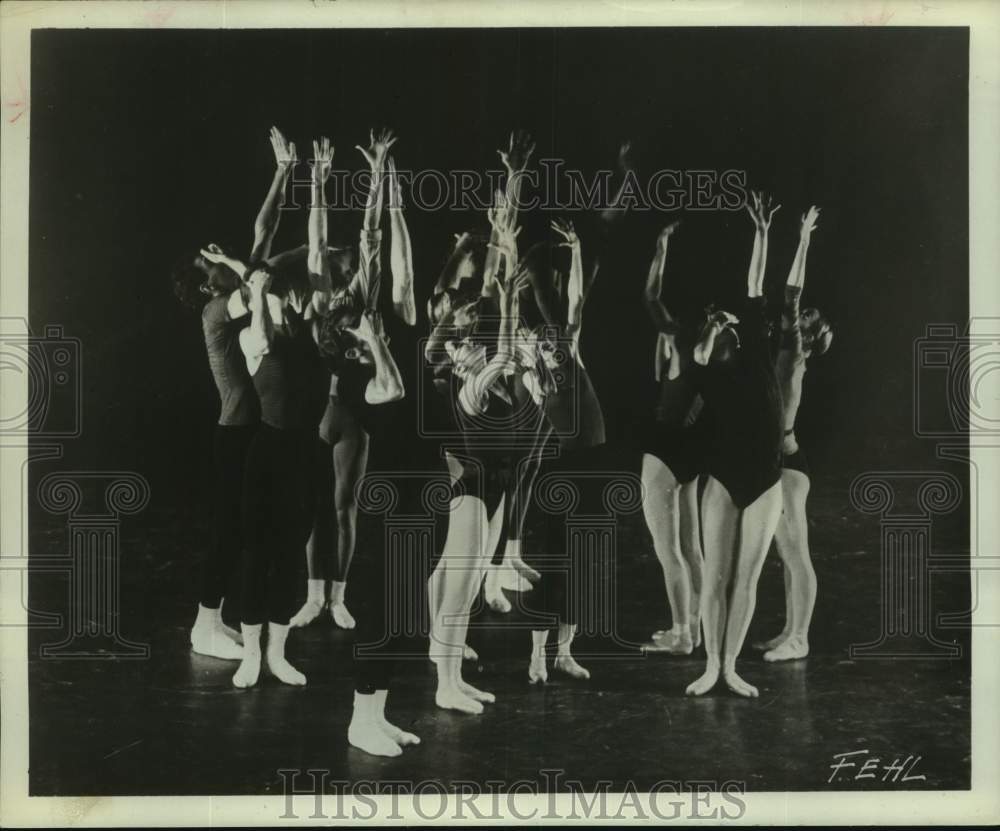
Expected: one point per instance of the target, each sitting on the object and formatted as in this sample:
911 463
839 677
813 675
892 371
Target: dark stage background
146 145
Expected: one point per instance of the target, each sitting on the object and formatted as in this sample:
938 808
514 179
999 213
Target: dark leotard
229 368
743 408
676 435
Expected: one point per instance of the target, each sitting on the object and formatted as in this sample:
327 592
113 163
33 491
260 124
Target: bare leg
720 521
757 525
786 580
460 572
350 460
662 511
792 539
691 551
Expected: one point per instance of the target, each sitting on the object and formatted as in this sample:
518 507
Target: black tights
275 516
229 454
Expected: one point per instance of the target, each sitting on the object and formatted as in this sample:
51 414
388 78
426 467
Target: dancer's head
817 335
336 341
196 280
467 357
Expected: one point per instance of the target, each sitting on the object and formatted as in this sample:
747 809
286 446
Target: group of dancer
314 357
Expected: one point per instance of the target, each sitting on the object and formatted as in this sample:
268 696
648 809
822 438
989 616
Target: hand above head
377 149
519 150
509 290
722 318
259 283
322 162
760 210
809 220
565 229
666 233
214 254
365 330
284 151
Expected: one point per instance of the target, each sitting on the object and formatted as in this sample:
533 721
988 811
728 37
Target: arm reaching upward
400 252
375 156
791 336
503 244
515 161
575 289
654 284
319 266
266 223
761 213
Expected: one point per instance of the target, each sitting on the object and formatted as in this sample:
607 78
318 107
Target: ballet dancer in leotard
212 275
673 460
742 499
803 334
483 409
343 447
574 414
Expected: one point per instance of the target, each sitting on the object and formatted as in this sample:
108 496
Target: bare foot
568 665
451 698
703 684
791 649
368 735
249 671
738 685
284 671
307 614
524 569
476 695
537 671
773 643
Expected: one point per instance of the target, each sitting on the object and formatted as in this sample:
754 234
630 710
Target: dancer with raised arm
803 334
670 466
483 359
574 415
741 504
212 276
343 448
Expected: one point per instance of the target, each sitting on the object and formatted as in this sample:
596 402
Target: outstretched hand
565 229
509 290
284 151
213 253
809 220
519 150
760 210
377 149
322 162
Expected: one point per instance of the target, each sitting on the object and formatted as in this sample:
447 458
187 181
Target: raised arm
761 213
796 281
375 155
387 385
576 290
502 244
318 263
515 161
654 284
400 252
266 223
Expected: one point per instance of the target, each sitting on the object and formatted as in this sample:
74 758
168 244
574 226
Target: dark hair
188 277
332 337
819 336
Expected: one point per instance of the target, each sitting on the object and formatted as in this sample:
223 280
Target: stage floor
173 724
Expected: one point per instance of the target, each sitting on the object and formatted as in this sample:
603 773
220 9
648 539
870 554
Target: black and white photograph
494 415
